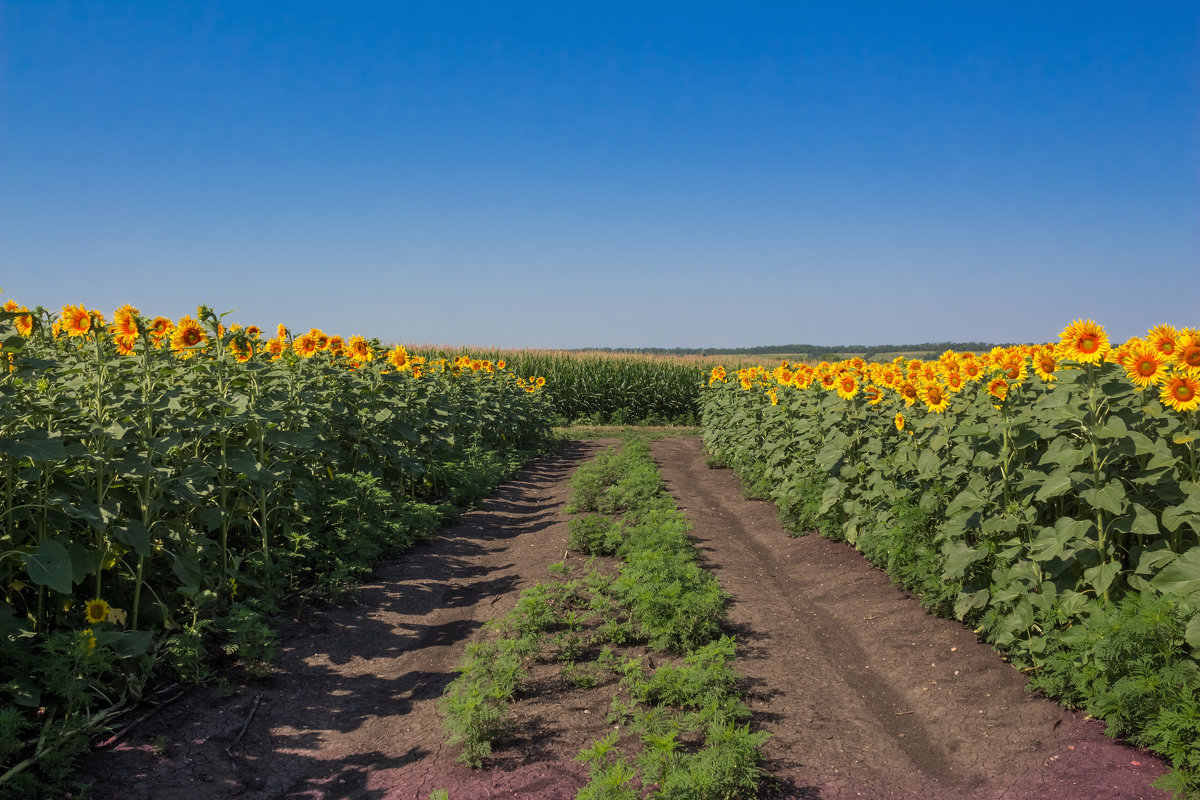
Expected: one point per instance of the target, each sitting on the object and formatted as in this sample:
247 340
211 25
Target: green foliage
1034 518
178 490
475 704
594 535
603 389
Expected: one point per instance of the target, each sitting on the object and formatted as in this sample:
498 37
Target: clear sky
607 173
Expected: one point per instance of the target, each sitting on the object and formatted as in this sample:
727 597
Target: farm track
864 693
350 710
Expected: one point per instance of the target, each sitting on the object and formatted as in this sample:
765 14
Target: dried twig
113 739
246 724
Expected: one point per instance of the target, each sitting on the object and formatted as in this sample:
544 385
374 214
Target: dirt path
864 693
351 708
867 695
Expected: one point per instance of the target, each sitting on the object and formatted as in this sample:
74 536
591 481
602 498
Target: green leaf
1181 577
1110 497
126 644
1055 485
34 445
1192 634
959 556
1145 523
134 534
969 601
1101 576
50 565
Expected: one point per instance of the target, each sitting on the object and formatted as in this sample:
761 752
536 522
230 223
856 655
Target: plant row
163 483
609 388
1048 496
680 729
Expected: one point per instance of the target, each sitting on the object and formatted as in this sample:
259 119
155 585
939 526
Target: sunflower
125 345
908 390
1013 366
717 374
774 395
24 322
971 369
241 348
320 338
359 350
159 330
97 610
88 637
873 393
541 382
1162 338
125 322
1045 363
76 321
899 421
1181 392
305 345
253 331
1187 357
998 388
1084 341
954 381
847 386
398 357
1145 366
935 397
187 336
276 347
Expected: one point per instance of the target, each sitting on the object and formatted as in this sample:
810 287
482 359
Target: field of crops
599 388
163 483
1048 495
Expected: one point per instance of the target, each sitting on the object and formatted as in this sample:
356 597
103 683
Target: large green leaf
34 445
1181 577
1056 484
50 565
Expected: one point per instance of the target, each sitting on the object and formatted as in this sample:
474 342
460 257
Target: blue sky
608 174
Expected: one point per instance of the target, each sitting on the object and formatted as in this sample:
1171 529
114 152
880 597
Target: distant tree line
812 352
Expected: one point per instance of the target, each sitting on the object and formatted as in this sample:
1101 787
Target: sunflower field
163 482
1047 495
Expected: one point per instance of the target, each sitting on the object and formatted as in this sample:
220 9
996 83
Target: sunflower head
305 345
898 421
75 321
1181 392
936 398
125 321
1084 341
97 611
1163 339
398 357
847 386
359 350
1145 366
187 337
998 388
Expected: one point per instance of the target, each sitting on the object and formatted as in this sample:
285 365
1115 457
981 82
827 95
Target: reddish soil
864 693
